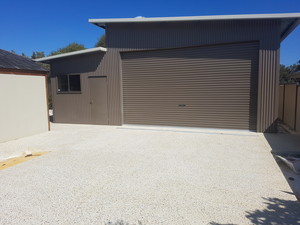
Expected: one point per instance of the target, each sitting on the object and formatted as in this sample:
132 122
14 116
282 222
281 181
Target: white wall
23 106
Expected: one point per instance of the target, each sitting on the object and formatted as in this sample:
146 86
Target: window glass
63 83
68 83
74 82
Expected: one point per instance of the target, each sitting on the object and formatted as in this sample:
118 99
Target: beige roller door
210 86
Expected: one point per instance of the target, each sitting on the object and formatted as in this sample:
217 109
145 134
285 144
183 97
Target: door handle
91 102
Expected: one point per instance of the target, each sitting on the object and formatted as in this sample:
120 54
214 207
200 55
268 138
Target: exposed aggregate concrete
142 175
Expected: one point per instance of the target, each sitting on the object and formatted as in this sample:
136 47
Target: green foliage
101 41
50 106
45 66
37 55
287 71
69 48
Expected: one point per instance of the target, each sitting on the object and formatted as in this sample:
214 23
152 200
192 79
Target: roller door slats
217 85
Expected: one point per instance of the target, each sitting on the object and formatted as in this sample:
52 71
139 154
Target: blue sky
33 25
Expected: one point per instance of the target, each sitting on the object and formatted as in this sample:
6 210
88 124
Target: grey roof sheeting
9 60
80 52
289 21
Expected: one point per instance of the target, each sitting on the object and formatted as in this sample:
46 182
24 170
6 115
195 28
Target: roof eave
75 53
102 22
292 26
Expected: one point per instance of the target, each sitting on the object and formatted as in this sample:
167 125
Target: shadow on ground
277 211
284 144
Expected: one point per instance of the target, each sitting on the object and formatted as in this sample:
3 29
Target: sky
32 25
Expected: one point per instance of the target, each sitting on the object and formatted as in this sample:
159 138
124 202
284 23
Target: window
69 83
63 83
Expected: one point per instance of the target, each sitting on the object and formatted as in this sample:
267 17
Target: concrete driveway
145 175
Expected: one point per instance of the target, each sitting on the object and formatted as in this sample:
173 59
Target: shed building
79 91
199 71
23 97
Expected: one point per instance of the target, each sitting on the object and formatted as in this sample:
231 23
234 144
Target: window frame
68 92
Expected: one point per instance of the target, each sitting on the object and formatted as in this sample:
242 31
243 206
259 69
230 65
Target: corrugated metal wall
281 102
74 108
298 110
211 86
267 108
110 68
290 101
132 37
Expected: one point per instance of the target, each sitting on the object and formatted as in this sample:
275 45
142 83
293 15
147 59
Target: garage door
211 86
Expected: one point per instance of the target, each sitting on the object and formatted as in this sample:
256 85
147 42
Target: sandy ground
145 175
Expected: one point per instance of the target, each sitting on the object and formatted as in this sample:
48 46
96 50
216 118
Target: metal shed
201 71
75 86
204 71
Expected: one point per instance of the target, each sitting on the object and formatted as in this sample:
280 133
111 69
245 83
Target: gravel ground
145 175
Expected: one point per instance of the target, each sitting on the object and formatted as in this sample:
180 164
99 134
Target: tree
295 67
69 48
101 41
287 71
37 55
40 55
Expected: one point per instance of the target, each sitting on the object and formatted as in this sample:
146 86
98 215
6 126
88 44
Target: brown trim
47 102
24 72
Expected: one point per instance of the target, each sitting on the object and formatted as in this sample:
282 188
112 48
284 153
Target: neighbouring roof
80 52
289 21
9 60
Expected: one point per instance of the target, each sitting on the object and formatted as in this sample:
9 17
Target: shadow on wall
277 211
85 63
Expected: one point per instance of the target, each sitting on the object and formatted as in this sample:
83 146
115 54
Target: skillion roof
289 21
80 52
